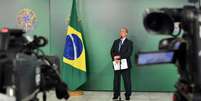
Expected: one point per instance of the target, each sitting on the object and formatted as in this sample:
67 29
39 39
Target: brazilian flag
74 60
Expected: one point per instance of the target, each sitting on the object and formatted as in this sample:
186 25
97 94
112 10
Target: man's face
123 33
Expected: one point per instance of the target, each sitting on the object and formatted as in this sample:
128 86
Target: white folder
120 66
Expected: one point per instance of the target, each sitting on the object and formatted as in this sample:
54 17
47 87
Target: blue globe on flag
73 47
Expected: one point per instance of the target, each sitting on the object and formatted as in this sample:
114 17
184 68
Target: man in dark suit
122 49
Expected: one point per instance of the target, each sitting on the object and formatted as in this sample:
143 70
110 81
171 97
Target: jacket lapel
125 41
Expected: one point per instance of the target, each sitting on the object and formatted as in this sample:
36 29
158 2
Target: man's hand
117 61
116 57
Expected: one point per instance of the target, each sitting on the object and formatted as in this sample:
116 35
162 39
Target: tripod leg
44 96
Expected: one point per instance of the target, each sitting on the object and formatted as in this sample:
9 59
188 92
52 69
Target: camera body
184 45
25 70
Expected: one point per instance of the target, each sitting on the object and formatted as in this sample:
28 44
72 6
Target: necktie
120 44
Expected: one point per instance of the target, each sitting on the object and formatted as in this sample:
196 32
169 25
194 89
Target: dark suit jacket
125 51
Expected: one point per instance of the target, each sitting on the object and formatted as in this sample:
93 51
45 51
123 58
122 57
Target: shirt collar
123 39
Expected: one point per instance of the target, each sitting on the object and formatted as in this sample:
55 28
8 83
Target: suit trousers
126 74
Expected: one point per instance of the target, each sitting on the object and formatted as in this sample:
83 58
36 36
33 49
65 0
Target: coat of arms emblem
26 19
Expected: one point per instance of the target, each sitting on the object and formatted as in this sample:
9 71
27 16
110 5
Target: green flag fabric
74 60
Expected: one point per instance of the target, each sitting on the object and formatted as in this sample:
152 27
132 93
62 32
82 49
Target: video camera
24 68
182 48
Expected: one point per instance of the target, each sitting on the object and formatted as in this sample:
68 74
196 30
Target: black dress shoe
115 97
127 97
